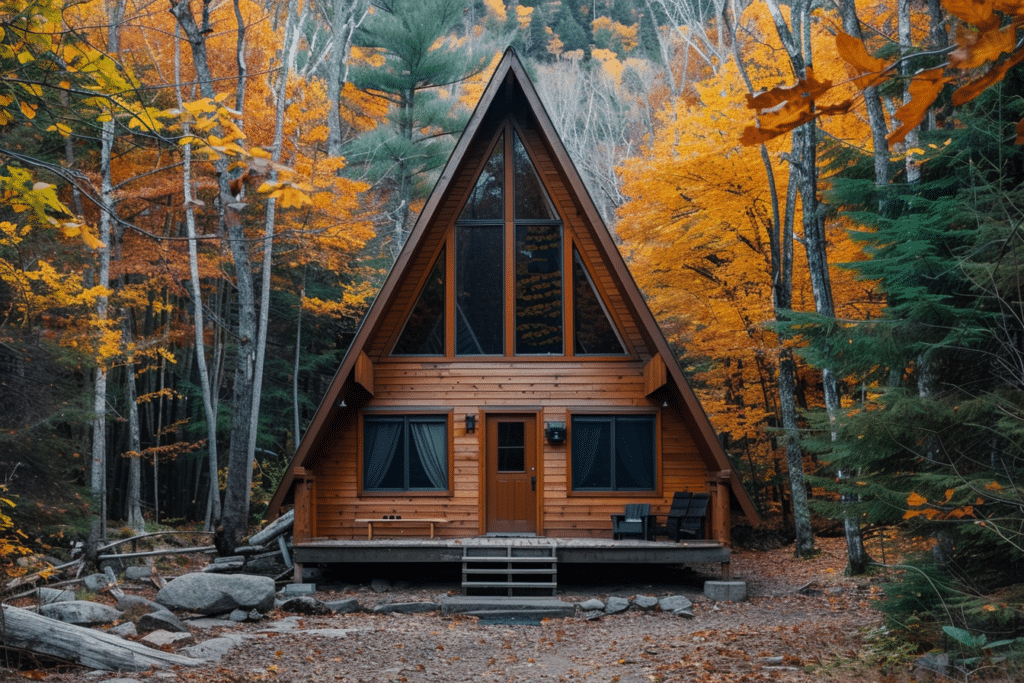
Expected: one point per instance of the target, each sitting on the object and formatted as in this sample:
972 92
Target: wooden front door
511 474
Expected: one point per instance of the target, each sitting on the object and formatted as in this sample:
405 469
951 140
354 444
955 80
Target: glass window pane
538 289
634 453
594 334
384 454
591 448
511 447
531 199
424 330
479 290
487 201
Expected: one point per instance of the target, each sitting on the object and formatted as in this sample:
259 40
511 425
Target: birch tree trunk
346 17
199 318
115 14
233 520
781 246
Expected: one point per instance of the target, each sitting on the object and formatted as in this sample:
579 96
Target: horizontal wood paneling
604 386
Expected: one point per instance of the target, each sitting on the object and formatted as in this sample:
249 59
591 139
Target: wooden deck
568 550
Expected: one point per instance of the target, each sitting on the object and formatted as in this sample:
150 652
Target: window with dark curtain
613 452
405 453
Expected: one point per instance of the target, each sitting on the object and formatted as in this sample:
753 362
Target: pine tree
416 38
935 433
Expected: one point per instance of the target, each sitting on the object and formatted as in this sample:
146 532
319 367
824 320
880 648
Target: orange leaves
987 36
856 55
918 506
924 88
783 109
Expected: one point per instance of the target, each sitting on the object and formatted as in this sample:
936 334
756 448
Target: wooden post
304 526
720 492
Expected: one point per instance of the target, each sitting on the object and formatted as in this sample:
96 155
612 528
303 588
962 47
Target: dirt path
801 617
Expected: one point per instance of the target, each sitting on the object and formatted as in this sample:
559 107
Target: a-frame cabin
508 380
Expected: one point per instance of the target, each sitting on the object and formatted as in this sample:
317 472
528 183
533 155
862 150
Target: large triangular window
509 274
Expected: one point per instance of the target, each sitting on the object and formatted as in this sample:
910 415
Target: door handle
533 483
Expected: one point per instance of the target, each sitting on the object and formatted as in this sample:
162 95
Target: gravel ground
803 621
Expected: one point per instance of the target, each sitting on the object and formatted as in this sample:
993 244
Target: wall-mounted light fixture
554 432
470 423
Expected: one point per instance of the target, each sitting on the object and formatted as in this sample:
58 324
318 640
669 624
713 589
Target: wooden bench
399 520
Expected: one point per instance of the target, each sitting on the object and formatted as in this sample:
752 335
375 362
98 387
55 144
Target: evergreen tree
538 48
570 32
403 154
937 435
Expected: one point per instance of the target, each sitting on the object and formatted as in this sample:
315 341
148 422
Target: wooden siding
508 387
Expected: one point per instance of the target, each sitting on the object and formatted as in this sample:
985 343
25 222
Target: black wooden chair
687 516
636 521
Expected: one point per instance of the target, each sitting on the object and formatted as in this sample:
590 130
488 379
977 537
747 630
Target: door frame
538 442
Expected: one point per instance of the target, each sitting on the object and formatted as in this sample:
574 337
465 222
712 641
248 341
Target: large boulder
218 593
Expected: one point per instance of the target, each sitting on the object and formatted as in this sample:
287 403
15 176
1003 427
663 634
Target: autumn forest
822 203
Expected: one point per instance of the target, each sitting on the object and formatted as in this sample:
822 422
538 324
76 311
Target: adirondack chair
636 521
687 516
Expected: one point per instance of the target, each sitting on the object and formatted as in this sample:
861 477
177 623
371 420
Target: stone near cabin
137 573
162 639
162 620
346 606
214 649
380 585
645 602
81 612
218 593
591 605
304 604
48 596
673 603
406 608
96 582
138 604
615 605
124 630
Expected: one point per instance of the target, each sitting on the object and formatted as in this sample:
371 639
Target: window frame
612 416
442 415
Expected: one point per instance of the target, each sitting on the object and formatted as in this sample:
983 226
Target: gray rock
161 620
138 604
298 589
645 602
125 630
137 573
593 615
218 593
591 605
96 582
380 585
214 649
672 603
81 612
936 662
406 608
684 613
346 606
48 596
162 639
304 604
240 616
616 605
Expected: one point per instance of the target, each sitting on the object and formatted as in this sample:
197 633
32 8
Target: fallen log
158 553
279 526
24 630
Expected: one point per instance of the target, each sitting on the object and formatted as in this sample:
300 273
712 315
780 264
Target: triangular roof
509 76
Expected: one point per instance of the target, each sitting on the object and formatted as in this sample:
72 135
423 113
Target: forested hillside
822 204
